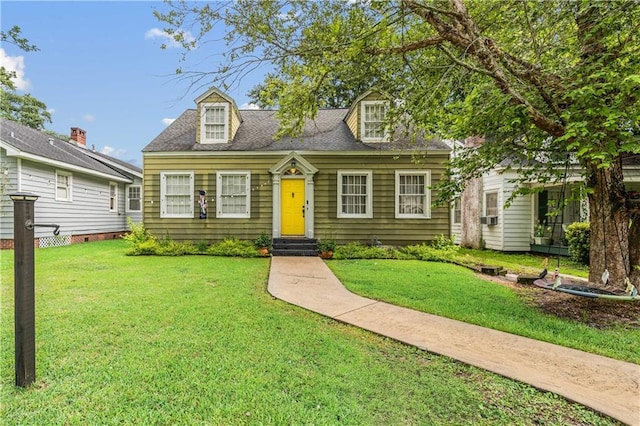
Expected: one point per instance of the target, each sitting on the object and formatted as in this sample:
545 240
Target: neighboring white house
479 217
90 195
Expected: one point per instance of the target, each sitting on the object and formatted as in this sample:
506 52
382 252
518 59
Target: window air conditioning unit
489 220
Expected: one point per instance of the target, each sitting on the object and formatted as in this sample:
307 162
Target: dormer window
373 115
214 123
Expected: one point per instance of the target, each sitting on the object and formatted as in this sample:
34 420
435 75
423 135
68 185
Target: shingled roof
327 132
38 144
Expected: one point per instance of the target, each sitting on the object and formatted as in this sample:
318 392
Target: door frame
304 170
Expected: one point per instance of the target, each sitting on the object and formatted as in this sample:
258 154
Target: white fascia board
285 152
13 152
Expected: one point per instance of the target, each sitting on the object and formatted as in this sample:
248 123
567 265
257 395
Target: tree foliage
24 109
544 83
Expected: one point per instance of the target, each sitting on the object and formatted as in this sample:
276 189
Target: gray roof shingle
35 142
327 132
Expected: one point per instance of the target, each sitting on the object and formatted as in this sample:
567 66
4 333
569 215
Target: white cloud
90 118
112 152
167 121
167 39
107 150
51 110
247 105
15 64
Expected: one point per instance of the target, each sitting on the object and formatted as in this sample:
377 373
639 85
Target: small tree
578 238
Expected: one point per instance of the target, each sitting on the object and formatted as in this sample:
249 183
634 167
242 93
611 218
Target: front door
293 204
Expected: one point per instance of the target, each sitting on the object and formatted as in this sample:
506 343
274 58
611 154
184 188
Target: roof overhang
14 152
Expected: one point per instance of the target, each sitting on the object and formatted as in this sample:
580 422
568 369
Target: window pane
134 198
492 204
62 187
354 194
233 198
214 122
177 194
411 196
373 121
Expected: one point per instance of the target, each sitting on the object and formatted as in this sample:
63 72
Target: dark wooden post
25 327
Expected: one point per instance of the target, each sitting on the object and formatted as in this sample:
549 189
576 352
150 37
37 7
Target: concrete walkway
606 385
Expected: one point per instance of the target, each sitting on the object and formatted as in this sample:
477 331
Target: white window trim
486 213
163 189
247 213
69 186
387 133
203 110
457 207
115 195
128 200
427 194
369 201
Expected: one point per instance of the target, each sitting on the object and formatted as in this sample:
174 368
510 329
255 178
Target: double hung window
214 122
354 194
413 196
233 191
176 194
374 128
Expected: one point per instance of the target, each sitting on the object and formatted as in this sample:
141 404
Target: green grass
198 340
529 263
455 292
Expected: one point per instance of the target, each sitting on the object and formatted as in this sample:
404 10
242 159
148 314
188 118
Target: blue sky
100 68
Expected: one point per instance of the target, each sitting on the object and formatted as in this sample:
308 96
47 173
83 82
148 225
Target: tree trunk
609 223
634 246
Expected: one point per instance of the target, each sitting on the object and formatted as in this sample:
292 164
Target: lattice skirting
54 241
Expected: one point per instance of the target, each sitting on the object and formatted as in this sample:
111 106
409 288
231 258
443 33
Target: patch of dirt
597 313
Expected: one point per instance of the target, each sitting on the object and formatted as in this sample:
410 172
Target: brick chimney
79 136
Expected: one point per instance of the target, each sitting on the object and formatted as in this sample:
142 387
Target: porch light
293 170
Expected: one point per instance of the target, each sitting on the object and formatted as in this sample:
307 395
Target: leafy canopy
542 82
24 109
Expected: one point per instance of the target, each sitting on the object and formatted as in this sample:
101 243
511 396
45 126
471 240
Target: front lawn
198 340
456 292
520 263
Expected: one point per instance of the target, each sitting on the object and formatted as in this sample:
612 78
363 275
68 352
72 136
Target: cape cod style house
90 195
217 172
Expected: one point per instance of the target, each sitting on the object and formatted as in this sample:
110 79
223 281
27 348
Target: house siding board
205 169
87 213
516 218
8 185
383 225
493 235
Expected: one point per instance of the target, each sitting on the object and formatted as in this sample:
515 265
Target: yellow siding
210 229
382 226
352 122
235 123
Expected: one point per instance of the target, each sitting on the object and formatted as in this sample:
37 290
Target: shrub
144 248
138 233
232 246
173 248
429 252
443 242
140 240
358 250
578 236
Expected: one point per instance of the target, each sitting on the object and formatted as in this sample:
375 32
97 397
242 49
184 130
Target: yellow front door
293 204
